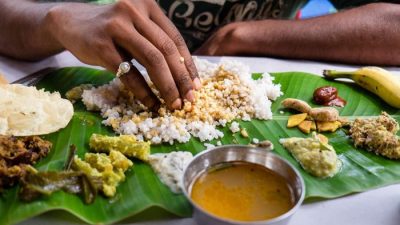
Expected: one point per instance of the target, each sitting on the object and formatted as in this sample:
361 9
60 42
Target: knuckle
168 48
154 57
170 93
192 70
178 40
122 5
113 24
184 83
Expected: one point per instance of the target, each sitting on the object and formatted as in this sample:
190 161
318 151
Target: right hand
107 35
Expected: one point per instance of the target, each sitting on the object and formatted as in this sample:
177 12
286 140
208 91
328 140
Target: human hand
225 41
107 35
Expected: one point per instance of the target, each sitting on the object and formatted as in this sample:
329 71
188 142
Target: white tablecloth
375 207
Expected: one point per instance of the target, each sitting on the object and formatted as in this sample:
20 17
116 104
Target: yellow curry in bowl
242 191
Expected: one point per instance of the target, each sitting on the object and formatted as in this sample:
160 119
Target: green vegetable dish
142 193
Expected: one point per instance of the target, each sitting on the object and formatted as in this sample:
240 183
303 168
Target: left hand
226 41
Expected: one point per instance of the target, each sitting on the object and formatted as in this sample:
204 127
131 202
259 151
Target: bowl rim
239 222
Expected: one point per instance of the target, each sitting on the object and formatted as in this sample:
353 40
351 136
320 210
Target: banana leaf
143 194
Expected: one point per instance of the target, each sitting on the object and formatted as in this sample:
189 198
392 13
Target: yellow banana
375 79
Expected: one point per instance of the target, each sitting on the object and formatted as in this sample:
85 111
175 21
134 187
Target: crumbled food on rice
228 93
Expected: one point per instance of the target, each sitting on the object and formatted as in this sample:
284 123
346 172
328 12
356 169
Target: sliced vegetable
37 184
126 144
305 126
328 126
295 120
110 169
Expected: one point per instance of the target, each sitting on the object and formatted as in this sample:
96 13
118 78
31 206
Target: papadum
26 111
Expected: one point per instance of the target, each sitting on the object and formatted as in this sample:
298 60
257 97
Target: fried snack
295 120
324 114
296 104
328 126
305 126
26 111
17 154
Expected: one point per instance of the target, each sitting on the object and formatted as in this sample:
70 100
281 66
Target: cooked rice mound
228 93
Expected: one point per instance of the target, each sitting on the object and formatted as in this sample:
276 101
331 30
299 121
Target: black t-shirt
198 19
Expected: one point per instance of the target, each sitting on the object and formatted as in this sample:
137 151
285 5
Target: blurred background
316 8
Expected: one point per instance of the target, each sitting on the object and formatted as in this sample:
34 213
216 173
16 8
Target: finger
171 54
133 80
151 58
164 23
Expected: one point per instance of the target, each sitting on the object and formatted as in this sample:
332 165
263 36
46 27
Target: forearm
24 33
365 35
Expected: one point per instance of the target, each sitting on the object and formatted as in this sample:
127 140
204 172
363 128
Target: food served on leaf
323 119
328 126
242 191
296 104
26 111
170 166
109 168
324 114
75 93
44 183
314 154
97 172
328 96
377 135
126 144
228 92
375 79
297 119
266 144
17 154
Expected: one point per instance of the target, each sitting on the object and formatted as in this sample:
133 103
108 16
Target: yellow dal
243 192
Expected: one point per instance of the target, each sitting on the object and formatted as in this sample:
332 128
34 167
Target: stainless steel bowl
242 153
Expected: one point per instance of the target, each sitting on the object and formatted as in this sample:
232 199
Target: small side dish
243 192
328 96
314 154
170 166
377 135
323 119
239 184
17 155
26 111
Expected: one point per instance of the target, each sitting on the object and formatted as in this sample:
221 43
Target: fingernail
177 104
197 83
190 96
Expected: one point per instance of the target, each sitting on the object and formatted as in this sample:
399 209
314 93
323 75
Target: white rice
124 113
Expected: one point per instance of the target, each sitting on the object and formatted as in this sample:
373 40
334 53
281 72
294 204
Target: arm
105 35
24 33
366 35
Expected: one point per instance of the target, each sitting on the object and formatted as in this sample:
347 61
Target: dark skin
368 34
106 35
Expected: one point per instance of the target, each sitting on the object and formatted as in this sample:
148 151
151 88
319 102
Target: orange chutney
242 191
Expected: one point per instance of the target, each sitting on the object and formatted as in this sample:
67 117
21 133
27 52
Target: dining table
379 206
